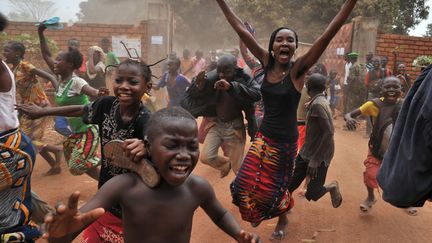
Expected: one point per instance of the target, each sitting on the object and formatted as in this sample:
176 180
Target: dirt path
383 224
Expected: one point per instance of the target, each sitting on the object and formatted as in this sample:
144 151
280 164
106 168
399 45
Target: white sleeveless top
8 114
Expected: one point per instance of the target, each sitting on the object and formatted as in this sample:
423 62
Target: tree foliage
31 10
308 17
200 23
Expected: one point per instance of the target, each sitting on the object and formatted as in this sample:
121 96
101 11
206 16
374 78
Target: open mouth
284 55
180 169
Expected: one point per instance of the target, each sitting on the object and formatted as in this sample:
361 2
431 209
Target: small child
383 113
162 214
318 150
122 117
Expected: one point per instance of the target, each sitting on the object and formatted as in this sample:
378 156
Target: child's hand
351 124
42 27
67 220
102 91
31 110
134 149
312 170
248 237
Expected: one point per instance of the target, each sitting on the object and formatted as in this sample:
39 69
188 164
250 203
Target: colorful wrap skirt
81 151
34 129
260 189
17 156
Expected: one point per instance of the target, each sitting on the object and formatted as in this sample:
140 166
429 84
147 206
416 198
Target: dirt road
345 224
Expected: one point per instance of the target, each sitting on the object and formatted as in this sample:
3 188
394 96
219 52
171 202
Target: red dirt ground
383 224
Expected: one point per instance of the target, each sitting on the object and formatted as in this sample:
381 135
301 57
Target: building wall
408 48
87 34
334 56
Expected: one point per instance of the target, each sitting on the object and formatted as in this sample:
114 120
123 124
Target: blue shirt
176 91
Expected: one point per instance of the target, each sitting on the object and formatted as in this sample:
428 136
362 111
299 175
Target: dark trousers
315 189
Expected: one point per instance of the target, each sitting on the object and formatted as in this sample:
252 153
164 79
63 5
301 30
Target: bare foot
52 171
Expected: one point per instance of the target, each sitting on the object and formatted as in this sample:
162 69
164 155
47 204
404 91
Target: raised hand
31 110
247 237
67 219
222 85
42 27
134 149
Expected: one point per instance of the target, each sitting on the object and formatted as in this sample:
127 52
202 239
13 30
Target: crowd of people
289 107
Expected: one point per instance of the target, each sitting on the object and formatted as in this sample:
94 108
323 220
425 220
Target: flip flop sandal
411 211
336 197
367 205
114 153
278 235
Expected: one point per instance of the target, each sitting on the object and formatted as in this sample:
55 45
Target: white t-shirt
347 68
75 88
8 114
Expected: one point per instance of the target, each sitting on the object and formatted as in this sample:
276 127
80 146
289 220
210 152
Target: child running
80 148
162 214
122 117
317 152
383 113
30 90
260 189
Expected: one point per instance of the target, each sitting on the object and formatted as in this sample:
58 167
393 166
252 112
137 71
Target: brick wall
88 34
343 39
408 47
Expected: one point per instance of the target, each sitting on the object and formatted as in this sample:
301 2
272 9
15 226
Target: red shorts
302 136
372 165
107 228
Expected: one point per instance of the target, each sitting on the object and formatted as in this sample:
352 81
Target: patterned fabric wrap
29 88
81 151
260 189
16 165
34 129
106 229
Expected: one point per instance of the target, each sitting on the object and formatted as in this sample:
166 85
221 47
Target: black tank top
280 110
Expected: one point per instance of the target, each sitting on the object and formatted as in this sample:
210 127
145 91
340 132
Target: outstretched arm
243 33
351 123
305 62
45 75
68 220
35 112
219 215
46 54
